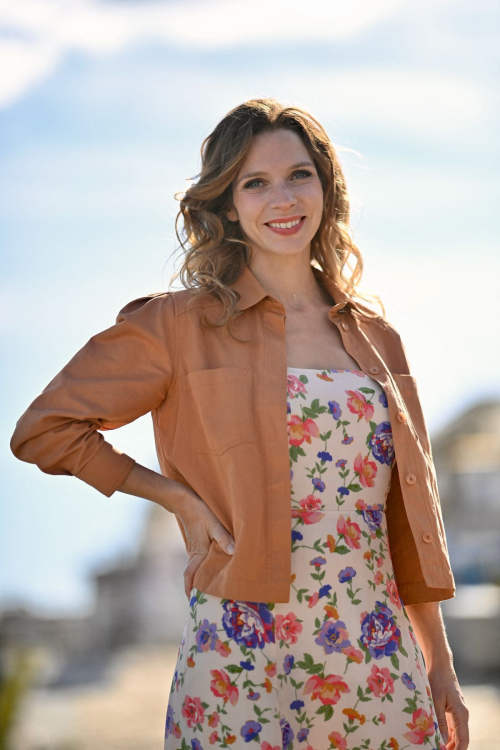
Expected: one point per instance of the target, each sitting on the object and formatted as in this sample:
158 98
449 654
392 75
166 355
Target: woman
282 404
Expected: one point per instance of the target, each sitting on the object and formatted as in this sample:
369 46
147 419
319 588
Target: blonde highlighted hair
215 250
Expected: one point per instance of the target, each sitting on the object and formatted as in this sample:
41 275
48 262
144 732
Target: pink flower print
313 599
222 687
393 592
360 504
288 628
302 430
329 689
353 654
193 711
222 647
379 577
295 386
271 669
366 469
309 511
380 681
214 719
381 718
350 531
213 738
358 404
421 726
267 746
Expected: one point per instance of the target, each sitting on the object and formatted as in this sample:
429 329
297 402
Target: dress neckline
321 369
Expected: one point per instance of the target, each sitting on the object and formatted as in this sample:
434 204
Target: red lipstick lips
291 230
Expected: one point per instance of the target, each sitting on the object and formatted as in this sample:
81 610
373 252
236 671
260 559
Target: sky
103 109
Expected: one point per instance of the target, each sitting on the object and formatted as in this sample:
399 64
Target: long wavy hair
215 249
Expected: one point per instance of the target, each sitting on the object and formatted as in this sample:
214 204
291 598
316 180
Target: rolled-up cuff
107 469
419 593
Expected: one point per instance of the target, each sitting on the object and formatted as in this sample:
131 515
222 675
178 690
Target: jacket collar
251 290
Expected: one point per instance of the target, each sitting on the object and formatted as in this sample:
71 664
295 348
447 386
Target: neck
292 284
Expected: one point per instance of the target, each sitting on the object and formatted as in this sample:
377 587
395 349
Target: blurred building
467 459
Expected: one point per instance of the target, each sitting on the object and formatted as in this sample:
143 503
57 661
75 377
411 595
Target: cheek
250 209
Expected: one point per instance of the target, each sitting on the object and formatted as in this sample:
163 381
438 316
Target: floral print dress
338 666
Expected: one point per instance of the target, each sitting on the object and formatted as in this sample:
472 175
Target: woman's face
280 191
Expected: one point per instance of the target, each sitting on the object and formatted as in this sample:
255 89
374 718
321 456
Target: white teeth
288 225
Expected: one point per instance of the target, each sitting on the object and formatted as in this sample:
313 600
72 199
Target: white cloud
24 64
39 33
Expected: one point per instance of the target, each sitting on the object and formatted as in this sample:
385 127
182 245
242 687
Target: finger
190 571
441 720
224 539
460 723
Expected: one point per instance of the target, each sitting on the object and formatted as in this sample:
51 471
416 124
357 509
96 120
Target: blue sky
102 115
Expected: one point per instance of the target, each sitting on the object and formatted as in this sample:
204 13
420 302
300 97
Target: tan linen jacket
219 414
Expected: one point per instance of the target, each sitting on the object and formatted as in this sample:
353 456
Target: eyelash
298 171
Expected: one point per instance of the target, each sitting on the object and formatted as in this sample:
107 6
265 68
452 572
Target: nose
283 193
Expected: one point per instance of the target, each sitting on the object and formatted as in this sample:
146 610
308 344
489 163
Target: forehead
278 149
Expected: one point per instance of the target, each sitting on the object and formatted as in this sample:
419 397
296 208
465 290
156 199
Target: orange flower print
421 726
330 542
358 404
337 741
268 685
366 469
222 687
288 628
393 744
302 430
353 715
331 611
329 689
350 531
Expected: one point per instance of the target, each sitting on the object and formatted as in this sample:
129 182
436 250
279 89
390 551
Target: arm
119 375
452 714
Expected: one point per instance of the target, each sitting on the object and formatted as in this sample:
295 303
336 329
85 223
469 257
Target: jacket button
374 370
345 326
401 416
427 537
411 478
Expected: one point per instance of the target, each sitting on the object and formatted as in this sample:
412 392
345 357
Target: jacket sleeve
120 374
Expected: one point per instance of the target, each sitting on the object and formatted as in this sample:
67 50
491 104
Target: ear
231 214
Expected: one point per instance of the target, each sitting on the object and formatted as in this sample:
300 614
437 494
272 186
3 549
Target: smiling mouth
285 224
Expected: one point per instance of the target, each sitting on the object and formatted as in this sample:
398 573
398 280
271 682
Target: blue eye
298 171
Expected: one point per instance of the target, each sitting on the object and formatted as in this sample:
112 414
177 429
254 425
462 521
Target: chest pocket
408 389
221 408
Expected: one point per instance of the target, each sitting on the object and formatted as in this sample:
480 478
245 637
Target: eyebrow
294 166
